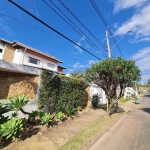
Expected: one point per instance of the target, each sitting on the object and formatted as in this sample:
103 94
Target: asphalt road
131 132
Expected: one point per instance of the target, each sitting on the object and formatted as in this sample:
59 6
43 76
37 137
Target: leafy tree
111 73
77 74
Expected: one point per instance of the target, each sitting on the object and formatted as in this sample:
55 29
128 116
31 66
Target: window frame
51 65
32 59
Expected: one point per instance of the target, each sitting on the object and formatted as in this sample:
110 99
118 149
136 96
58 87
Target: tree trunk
110 107
24 112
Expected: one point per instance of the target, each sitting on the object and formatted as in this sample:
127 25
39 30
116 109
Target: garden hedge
60 90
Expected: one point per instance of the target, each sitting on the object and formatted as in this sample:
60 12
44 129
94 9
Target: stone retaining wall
13 84
9 53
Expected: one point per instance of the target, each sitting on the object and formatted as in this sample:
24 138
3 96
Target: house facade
20 68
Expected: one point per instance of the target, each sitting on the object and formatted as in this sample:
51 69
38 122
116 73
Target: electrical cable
90 42
105 23
82 24
26 24
39 20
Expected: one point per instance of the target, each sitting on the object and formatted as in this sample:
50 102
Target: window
1 50
34 61
50 65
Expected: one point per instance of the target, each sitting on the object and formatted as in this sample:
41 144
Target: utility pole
109 55
108 47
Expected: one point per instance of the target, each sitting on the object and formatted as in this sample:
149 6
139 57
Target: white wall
94 89
2 46
43 62
18 56
128 92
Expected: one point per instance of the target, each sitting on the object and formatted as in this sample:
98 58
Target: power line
106 24
82 24
55 56
90 42
27 24
51 28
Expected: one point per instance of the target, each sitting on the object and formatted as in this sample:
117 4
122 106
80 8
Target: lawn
85 135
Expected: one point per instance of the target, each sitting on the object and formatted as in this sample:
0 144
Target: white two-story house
20 68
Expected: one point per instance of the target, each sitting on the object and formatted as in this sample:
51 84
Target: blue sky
121 15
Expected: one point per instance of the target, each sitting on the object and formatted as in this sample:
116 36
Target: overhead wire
89 40
82 24
39 20
26 24
106 25
55 56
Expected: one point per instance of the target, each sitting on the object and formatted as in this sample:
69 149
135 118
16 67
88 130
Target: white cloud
92 62
115 25
142 59
124 4
78 65
77 47
140 40
142 54
83 38
138 23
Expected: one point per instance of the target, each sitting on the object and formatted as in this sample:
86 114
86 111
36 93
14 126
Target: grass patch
90 131
122 99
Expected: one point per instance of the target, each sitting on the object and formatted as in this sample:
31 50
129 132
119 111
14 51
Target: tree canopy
111 73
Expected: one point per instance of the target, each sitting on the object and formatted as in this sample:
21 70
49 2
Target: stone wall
13 84
87 101
8 53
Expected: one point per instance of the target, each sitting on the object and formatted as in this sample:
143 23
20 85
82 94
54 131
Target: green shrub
70 110
17 102
14 114
11 128
3 109
61 108
79 108
60 90
61 116
33 115
46 119
3 119
94 100
41 113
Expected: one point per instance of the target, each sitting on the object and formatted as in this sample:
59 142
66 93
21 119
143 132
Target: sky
121 16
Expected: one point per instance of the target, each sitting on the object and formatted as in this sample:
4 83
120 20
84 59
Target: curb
102 132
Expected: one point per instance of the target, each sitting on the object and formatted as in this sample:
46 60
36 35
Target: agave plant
3 109
14 114
70 110
3 119
61 108
41 113
17 103
33 115
79 108
61 116
11 128
46 119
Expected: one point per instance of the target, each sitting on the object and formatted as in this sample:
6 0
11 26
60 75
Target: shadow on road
147 95
146 110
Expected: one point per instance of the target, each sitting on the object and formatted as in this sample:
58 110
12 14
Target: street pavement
131 132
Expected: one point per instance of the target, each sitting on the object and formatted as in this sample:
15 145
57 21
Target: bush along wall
59 91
